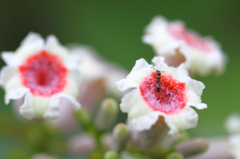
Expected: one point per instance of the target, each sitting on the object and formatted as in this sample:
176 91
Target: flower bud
107 114
175 155
81 144
193 147
111 155
120 137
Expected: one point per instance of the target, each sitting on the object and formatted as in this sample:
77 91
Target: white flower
94 68
233 124
144 102
200 55
234 141
42 73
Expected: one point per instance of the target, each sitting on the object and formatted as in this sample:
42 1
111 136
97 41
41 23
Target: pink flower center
180 33
170 99
44 74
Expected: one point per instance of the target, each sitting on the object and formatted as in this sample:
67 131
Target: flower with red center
42 73
177 45
161 93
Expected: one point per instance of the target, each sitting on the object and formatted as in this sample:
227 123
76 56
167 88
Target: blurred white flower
95 68
165 98
177 45
233 126
234 141
43 73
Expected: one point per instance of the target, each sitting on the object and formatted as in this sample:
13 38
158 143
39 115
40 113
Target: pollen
172 97
43 73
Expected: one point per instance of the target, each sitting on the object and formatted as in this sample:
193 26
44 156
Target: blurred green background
115 29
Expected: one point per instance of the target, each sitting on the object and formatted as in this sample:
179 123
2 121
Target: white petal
141 63
198 105
125 84
194 92
144 122
27 109
54 47
54 105
157 60
10 59
182 70
74 82
73 61
128 100
31 38
138 106
15 94
7 73
32 44
185 119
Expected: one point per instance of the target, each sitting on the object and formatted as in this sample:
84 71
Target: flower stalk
84 120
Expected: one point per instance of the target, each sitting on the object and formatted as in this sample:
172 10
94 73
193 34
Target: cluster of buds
50 81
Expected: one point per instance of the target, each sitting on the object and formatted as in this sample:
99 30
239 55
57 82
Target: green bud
111 155
193 147
120 137
175 155
107 114
83 117
179 138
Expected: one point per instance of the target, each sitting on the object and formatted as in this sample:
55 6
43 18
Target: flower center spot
44 74
170 99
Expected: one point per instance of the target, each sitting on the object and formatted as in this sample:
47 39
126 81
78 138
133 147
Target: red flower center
180 33
170 99
43 73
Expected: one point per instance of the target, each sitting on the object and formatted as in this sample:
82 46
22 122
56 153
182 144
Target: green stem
87 124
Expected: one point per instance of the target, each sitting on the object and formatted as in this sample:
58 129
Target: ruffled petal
9 59
7 73
27 109
181 121
32 44
52 111
53 46
128 100
15 94
124 84
141 63
144 122
158 60
32 38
